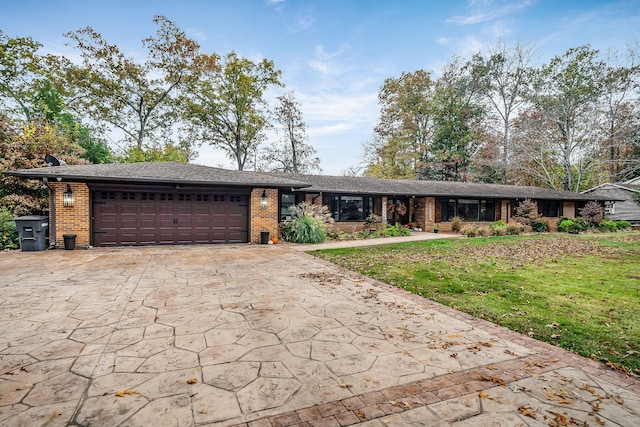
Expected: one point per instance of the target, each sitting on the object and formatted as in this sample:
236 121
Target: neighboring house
625 208
173 203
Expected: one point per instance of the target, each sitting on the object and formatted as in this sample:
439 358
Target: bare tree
292 154
621 113
504 75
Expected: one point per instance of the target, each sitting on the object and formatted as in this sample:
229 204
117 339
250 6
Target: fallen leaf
56 414
617 399
346 385
192 380
482 395
491 367
454 355
595 406
560 419
123 393
526 411
360 414
495 380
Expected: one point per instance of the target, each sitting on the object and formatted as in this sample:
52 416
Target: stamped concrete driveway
266 336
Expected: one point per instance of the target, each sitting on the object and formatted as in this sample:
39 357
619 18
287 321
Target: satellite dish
51 161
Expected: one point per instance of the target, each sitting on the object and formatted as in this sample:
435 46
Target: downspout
52 213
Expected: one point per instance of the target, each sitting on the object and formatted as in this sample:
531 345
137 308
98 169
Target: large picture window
468 209
550 208
351 208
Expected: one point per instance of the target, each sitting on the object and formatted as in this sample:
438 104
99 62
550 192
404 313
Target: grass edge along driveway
580 292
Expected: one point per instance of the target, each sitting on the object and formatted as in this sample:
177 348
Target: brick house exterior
176 203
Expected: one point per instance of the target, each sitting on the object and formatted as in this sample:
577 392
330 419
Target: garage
168 216
159 203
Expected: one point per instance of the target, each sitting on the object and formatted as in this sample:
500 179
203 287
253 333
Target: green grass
580 292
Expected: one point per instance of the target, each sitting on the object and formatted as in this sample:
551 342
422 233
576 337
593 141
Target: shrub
308 224
623 225
540 225
373 222
582 223
499 230
8 235
484 231
470 231
570 226
607 226
526 212
394 230
514 228
593 213
564 225
456 224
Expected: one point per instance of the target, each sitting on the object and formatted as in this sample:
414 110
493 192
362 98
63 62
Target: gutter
52 213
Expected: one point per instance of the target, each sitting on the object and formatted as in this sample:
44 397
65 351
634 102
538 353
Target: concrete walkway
265 335
414 237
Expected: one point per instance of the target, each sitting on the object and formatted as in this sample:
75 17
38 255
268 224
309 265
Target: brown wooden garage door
169 217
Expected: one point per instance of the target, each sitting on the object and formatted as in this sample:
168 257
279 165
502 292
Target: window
351 208
549 208
468 209
286 201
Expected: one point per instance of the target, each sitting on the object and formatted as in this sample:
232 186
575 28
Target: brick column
264 219
74 219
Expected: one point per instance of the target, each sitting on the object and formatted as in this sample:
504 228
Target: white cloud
197 34
325 63
303 24
483 11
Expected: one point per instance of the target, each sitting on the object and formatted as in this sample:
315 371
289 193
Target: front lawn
580 292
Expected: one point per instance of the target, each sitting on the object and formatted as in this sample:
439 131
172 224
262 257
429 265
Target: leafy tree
23 148
565 93
292 155
404 131
169 152
457 125
136 98
20 68
226 104
50 107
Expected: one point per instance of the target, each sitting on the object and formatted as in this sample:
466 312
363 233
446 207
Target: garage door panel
133 218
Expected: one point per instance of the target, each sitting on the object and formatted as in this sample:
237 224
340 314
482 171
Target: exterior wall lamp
67 197
264 201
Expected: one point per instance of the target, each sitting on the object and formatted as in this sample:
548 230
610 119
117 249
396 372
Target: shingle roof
186 173
404 187
159 173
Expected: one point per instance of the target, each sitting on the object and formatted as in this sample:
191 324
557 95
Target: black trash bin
32 231
264 237
69 241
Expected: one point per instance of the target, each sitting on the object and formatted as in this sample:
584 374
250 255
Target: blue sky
335 54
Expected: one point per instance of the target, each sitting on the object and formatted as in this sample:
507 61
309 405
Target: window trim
368 206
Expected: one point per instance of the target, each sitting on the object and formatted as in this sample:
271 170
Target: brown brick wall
569 209
263 219
74 219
